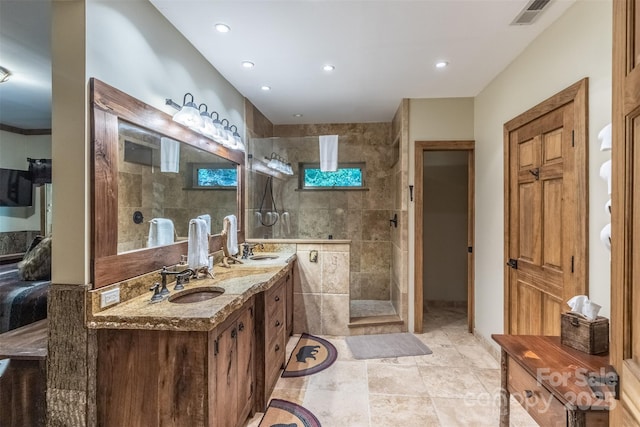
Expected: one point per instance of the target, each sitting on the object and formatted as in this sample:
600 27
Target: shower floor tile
367 308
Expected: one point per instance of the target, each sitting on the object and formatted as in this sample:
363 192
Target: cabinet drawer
534 398
274 360
275 326
275 298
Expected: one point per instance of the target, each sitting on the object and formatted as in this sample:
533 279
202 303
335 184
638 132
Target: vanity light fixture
442 64
189 115
207 128
227 138
248 64
222 28
239 145
329 67
266 88
279 164
4 74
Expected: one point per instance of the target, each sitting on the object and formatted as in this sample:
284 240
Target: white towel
161 232
232 235
169 155
605 236
328 153
605 137
285 224
605 173
207 219
198 249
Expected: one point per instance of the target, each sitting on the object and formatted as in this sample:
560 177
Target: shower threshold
372 313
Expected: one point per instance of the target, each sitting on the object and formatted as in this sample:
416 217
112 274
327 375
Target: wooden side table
550 382
24 383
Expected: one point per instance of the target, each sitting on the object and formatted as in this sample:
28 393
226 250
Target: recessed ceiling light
266 88
441 64
297 115
329 67
248 64
222 28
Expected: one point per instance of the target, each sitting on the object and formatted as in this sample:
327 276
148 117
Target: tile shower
361 216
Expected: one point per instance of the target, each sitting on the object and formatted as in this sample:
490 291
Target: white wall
439 119
131 46
14 150
577 45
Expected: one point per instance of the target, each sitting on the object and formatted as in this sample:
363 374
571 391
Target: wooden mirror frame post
108 105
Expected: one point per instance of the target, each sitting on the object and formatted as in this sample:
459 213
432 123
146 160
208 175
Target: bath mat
386 345
281 413
311 354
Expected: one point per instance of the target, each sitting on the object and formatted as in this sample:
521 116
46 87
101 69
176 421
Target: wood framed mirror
120 125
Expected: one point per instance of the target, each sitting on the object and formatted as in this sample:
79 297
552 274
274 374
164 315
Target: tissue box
579 333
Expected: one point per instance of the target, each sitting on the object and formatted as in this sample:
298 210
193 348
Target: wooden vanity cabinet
178 378
289 308
271 338
233 350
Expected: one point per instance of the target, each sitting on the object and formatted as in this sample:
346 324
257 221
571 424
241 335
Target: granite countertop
240 282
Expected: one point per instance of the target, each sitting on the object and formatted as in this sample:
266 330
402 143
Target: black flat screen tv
16 188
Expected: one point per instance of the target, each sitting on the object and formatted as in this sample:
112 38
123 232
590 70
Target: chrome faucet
247 249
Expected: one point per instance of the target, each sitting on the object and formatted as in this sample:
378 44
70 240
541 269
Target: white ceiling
383 51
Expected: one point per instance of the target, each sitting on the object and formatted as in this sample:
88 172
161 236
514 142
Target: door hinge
216 348
572 262
573 138
470 249
513 263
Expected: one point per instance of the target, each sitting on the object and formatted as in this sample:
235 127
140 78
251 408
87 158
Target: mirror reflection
163 183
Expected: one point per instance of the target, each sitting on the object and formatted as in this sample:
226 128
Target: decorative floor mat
281 413
311 354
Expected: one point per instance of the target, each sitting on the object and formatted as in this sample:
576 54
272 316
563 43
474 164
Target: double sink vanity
210 362
207 355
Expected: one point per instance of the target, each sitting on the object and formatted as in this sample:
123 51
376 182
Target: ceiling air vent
530 13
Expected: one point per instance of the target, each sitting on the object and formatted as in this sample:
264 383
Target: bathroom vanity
205 363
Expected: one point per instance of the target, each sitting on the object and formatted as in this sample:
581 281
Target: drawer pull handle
277 347
575 322
528 394
277 323
241 327
277 298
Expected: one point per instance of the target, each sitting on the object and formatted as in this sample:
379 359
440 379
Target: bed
21 301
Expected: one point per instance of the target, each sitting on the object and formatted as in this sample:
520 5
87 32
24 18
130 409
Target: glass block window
348 175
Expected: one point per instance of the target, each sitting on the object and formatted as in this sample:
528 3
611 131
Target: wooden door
226 378
546 210
246 363
625 257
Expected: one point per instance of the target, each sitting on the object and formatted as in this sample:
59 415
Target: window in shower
213 176
348 176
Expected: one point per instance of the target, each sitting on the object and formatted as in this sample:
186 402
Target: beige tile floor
457 385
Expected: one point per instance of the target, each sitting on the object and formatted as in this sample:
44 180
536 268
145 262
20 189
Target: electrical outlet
110 297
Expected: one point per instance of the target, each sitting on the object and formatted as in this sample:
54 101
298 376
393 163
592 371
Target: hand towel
605 137
232 235
605 173
605 236
169 155
198 244
161 232
207 219
285 224
328 153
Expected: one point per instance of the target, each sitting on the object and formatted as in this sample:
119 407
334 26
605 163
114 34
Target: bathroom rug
282 413
386 345
312 354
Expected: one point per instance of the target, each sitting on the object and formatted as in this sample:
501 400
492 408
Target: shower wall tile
310 273
375 257
335 315
335 272
376 226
